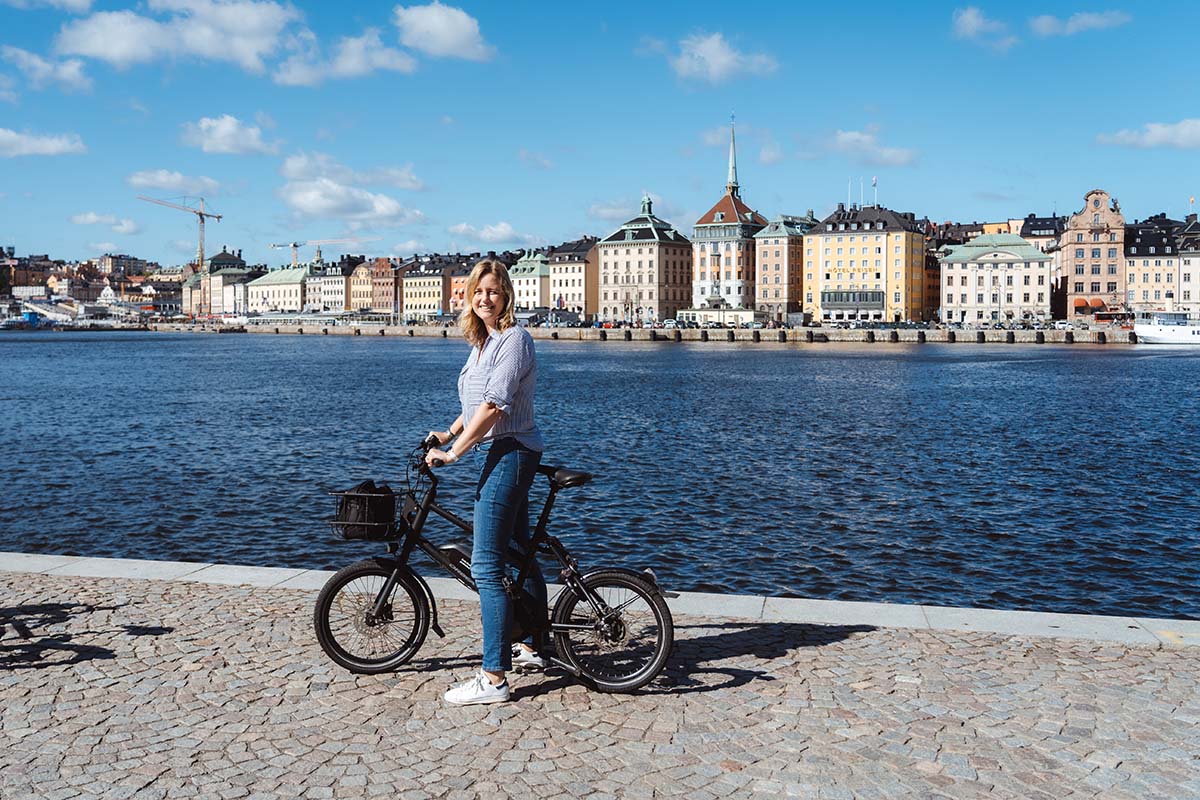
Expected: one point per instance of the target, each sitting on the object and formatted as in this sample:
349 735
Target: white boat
1166 327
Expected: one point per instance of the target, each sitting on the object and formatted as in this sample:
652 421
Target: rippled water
1048 478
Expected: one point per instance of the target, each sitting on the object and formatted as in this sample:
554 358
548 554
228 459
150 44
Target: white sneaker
478 690
527 660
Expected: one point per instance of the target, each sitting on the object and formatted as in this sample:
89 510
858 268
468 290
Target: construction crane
200 216
318 242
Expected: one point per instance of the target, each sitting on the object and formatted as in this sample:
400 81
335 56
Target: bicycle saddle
564 478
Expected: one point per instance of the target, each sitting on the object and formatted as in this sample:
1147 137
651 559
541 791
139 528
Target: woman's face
488 301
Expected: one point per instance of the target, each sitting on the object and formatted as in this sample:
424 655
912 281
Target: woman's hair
474 331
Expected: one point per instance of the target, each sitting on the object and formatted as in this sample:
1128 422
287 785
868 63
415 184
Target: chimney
841 206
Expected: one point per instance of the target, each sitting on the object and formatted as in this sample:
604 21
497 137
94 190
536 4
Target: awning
1097 302
1081 302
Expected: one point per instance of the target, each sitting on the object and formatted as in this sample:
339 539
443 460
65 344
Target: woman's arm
486 416
445 436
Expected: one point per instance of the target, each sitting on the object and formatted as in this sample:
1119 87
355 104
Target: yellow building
361 289
866 263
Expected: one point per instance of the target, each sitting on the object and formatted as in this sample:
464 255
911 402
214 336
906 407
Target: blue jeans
506 471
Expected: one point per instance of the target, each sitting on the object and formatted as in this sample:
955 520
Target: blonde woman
495 390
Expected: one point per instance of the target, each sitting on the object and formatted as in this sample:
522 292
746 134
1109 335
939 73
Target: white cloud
972 24
13 144
264 120
92 218
310 166
447 119
864 147
326 198
499 233
226 134
535 160
7 89
77 6
443 31
123 226
770 153
102 247
1182 135
612 211
242 32
175 182
353 57
408 247
1047 25
650 46
40 72
709 57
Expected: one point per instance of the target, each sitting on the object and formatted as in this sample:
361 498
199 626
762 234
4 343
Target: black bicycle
610 628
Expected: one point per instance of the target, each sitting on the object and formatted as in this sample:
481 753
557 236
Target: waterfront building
278 290
330 286
227 288
531 281
867 263
780 265
385 298
723 252
189 296
994 278
575 277
1092 258
458 287
1152 263
1188 242
361 289
427 288
1044 233
644 270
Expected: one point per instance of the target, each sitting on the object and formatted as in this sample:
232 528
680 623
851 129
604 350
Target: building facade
385 298
1092 260
866 264
427 289
280 290
575 277
1152 263
361 289
1188 242
645 273
780 265
531 281
723 248
995 278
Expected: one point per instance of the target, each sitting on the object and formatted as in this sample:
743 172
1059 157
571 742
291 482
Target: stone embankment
205 681
765 336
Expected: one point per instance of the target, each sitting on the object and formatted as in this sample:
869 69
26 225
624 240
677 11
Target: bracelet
452 456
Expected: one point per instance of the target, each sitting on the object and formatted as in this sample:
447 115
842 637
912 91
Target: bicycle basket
365 511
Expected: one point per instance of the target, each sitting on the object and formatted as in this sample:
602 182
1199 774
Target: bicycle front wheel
358 637
625 644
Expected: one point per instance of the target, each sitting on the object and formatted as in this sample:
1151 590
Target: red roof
734 210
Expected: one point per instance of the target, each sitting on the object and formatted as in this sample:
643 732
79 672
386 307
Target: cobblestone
152 689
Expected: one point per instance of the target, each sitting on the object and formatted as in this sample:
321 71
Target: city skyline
449 128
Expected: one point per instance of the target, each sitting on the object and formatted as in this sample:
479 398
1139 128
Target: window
1095 287
1078 288
1112 286
949 299
1025 297
896 297
1079 269
1079 252
979 299
1112 252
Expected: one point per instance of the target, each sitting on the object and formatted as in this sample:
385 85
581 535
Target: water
1045 478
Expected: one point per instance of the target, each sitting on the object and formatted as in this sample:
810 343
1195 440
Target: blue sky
485 126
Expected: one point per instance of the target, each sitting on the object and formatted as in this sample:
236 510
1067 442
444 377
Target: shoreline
1110 336
1147 632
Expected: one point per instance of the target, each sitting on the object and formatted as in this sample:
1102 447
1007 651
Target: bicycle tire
344 630
634 650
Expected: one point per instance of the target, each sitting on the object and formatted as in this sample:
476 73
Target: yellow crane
200 216
317 242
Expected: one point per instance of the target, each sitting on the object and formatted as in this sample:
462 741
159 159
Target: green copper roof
532 264
275 277
1002 246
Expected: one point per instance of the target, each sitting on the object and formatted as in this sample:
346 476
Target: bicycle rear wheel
352 634
623 647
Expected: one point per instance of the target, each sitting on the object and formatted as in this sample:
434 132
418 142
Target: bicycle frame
540 542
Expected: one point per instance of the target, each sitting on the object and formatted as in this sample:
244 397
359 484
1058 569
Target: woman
495 389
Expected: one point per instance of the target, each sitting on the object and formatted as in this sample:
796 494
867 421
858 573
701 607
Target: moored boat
1166 327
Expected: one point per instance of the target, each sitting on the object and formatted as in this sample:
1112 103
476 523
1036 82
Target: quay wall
763 336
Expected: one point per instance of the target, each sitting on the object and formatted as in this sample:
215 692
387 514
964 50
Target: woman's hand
440 457
442 436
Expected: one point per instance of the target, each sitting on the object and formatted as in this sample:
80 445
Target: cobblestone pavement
150 689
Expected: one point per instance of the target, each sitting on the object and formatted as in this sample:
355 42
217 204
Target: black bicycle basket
366 511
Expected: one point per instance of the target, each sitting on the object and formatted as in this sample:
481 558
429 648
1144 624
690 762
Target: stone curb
1135 631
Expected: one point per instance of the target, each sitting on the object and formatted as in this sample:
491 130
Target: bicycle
611 627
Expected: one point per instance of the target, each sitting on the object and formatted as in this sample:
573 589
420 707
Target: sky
488 126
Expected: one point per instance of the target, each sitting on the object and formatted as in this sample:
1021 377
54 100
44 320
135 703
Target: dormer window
720 217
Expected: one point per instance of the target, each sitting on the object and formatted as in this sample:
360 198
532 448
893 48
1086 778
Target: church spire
731 185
